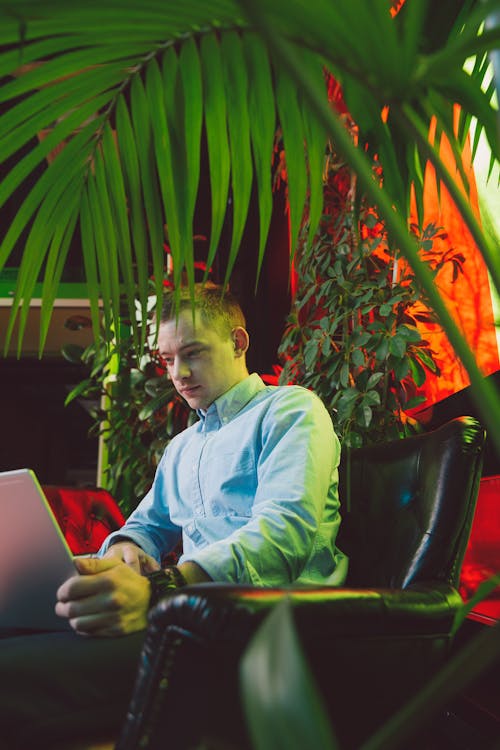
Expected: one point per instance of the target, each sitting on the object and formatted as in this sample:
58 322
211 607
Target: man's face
201 363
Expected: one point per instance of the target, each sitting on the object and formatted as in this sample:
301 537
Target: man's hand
132 555
108 599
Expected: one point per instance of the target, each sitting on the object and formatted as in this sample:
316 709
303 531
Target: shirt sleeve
149 525
296 496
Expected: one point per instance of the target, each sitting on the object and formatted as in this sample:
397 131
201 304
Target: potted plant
353 332
136 411
131 103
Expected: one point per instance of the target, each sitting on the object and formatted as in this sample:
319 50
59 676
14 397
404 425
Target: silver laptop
34 556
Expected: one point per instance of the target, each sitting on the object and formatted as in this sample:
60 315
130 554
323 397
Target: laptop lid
34 556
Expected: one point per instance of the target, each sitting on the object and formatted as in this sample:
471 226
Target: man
251 489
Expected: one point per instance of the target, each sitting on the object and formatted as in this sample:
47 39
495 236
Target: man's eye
193 353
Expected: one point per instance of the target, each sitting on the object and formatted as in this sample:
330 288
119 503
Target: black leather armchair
408 508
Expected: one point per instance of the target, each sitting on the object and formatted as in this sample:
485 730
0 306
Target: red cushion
482 558
86 516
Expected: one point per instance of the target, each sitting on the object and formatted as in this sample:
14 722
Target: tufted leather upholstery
408 508
86 515
409 515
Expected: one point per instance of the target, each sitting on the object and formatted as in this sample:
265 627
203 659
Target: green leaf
141 117
190 71
385 310
89 260
217 137
374 379
417 372
410 333
382 349
176 179
344 375
106 239
353 439
56 259
262 115
358 358
283 707
364 415
372 398
293 139
236 86
119 210
326 346
132 180
163 155
397 346
316 138
401 368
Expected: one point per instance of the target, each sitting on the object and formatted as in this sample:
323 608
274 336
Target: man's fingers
149 564
89 605
93 565
127 553
110 598
90 581
132 559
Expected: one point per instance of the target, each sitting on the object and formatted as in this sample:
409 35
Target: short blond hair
217 307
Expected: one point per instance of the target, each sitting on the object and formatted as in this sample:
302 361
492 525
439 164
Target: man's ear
241 340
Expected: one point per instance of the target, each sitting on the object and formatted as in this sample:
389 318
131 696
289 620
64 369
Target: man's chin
194 399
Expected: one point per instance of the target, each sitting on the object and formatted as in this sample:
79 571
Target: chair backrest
407 506
86 515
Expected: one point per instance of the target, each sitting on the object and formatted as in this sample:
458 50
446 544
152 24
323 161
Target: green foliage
284 710
352 335
282 704
133 103
132 90
135 408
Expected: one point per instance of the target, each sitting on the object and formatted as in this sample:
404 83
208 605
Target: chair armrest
196 637
233 612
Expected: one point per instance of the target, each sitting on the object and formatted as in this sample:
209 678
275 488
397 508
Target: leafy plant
131 90
284 711
352 335
135 408
283 706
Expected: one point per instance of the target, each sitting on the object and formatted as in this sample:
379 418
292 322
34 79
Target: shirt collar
232 401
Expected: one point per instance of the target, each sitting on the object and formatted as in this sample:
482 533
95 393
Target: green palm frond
134 91
131 92
404 105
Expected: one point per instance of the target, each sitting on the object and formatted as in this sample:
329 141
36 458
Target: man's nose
181 369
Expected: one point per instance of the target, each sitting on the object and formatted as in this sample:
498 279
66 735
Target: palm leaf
486 396
190 71
262 114
294 140
132 188
176 178
236 86
56 259
217 139
90 262
152 224
315 139
283 707
111 57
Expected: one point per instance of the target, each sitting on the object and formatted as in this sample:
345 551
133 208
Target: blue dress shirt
251 489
